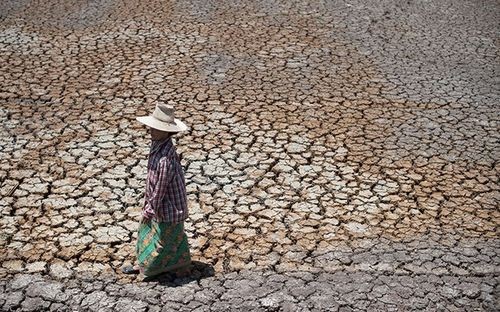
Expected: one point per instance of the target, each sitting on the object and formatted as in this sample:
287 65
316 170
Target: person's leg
143 233
166 250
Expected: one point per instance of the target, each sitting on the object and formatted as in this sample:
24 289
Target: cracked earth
342 155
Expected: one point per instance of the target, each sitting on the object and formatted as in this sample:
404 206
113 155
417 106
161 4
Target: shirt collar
157 145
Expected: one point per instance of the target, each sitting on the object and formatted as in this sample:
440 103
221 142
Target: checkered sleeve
154 202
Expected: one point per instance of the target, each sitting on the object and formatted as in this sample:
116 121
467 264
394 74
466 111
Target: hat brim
152 122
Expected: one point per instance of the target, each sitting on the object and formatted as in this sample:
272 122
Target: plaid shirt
165 199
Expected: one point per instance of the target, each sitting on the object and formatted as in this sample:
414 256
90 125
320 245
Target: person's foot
130 269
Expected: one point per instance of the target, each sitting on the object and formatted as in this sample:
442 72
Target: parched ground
342 155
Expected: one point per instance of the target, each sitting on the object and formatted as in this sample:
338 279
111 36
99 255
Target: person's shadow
199 271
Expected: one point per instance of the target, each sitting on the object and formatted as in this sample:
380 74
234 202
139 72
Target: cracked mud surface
342 155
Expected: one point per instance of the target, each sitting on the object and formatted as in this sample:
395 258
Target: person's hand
147 213
146 218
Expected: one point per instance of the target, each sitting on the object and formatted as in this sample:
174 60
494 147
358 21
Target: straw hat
163 119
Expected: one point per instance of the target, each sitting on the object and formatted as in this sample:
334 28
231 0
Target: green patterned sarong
161 247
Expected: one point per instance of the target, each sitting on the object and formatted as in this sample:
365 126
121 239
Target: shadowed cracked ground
343 155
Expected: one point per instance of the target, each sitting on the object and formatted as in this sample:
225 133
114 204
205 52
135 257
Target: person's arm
160 189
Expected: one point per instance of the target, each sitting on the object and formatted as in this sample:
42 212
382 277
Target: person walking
162 244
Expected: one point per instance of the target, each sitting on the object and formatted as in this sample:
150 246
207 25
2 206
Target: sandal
130 270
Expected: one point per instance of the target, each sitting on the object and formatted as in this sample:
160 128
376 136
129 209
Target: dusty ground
343 155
